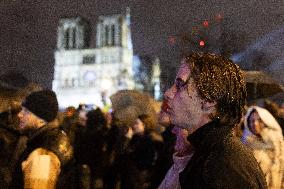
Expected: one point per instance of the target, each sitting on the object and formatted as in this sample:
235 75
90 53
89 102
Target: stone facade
91 75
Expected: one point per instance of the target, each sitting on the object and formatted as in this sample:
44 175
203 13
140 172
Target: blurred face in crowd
255 123
82 118
28 120
186 109
138 127
182 145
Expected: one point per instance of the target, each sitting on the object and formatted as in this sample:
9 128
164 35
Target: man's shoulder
56 140
235 165
232 154
53 132
232 174
235 150
54 137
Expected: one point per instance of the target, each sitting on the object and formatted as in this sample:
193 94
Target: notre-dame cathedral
92 75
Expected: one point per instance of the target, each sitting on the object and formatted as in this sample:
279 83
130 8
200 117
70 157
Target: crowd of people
210 138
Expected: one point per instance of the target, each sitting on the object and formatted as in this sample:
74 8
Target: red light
201 43
206 23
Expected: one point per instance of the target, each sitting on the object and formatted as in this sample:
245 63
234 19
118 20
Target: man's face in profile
255 124
27 119
184 105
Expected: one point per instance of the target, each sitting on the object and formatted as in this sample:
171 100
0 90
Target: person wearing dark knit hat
14 87
43 104
48 148
38 109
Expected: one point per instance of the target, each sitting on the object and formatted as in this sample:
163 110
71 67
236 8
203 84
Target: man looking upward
207 99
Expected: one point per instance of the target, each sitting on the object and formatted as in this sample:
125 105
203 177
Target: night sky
29 30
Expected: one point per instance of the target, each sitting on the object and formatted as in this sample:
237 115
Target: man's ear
208 106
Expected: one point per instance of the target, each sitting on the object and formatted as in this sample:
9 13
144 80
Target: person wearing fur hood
263 135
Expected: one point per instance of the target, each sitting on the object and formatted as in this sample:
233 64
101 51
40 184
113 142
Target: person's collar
209 134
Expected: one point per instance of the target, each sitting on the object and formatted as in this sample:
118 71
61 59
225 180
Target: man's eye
180 83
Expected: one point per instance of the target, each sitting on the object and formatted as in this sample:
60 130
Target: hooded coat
268 147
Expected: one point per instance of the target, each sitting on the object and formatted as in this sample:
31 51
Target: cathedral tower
86 75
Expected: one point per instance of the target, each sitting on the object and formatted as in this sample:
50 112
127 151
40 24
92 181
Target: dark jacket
134 160
138 163
220 161
90 149
8 143
55 140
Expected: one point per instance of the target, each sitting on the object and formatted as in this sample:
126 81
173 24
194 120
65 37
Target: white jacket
268 149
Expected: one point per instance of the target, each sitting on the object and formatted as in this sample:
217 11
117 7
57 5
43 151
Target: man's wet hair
219 79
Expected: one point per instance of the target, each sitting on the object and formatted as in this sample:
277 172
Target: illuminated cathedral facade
92 75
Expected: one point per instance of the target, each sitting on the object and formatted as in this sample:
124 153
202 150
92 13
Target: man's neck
193 128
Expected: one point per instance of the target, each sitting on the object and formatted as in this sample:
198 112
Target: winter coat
220 160
268 147
165 161
138 162
8 143
91 149
117 144
49 146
